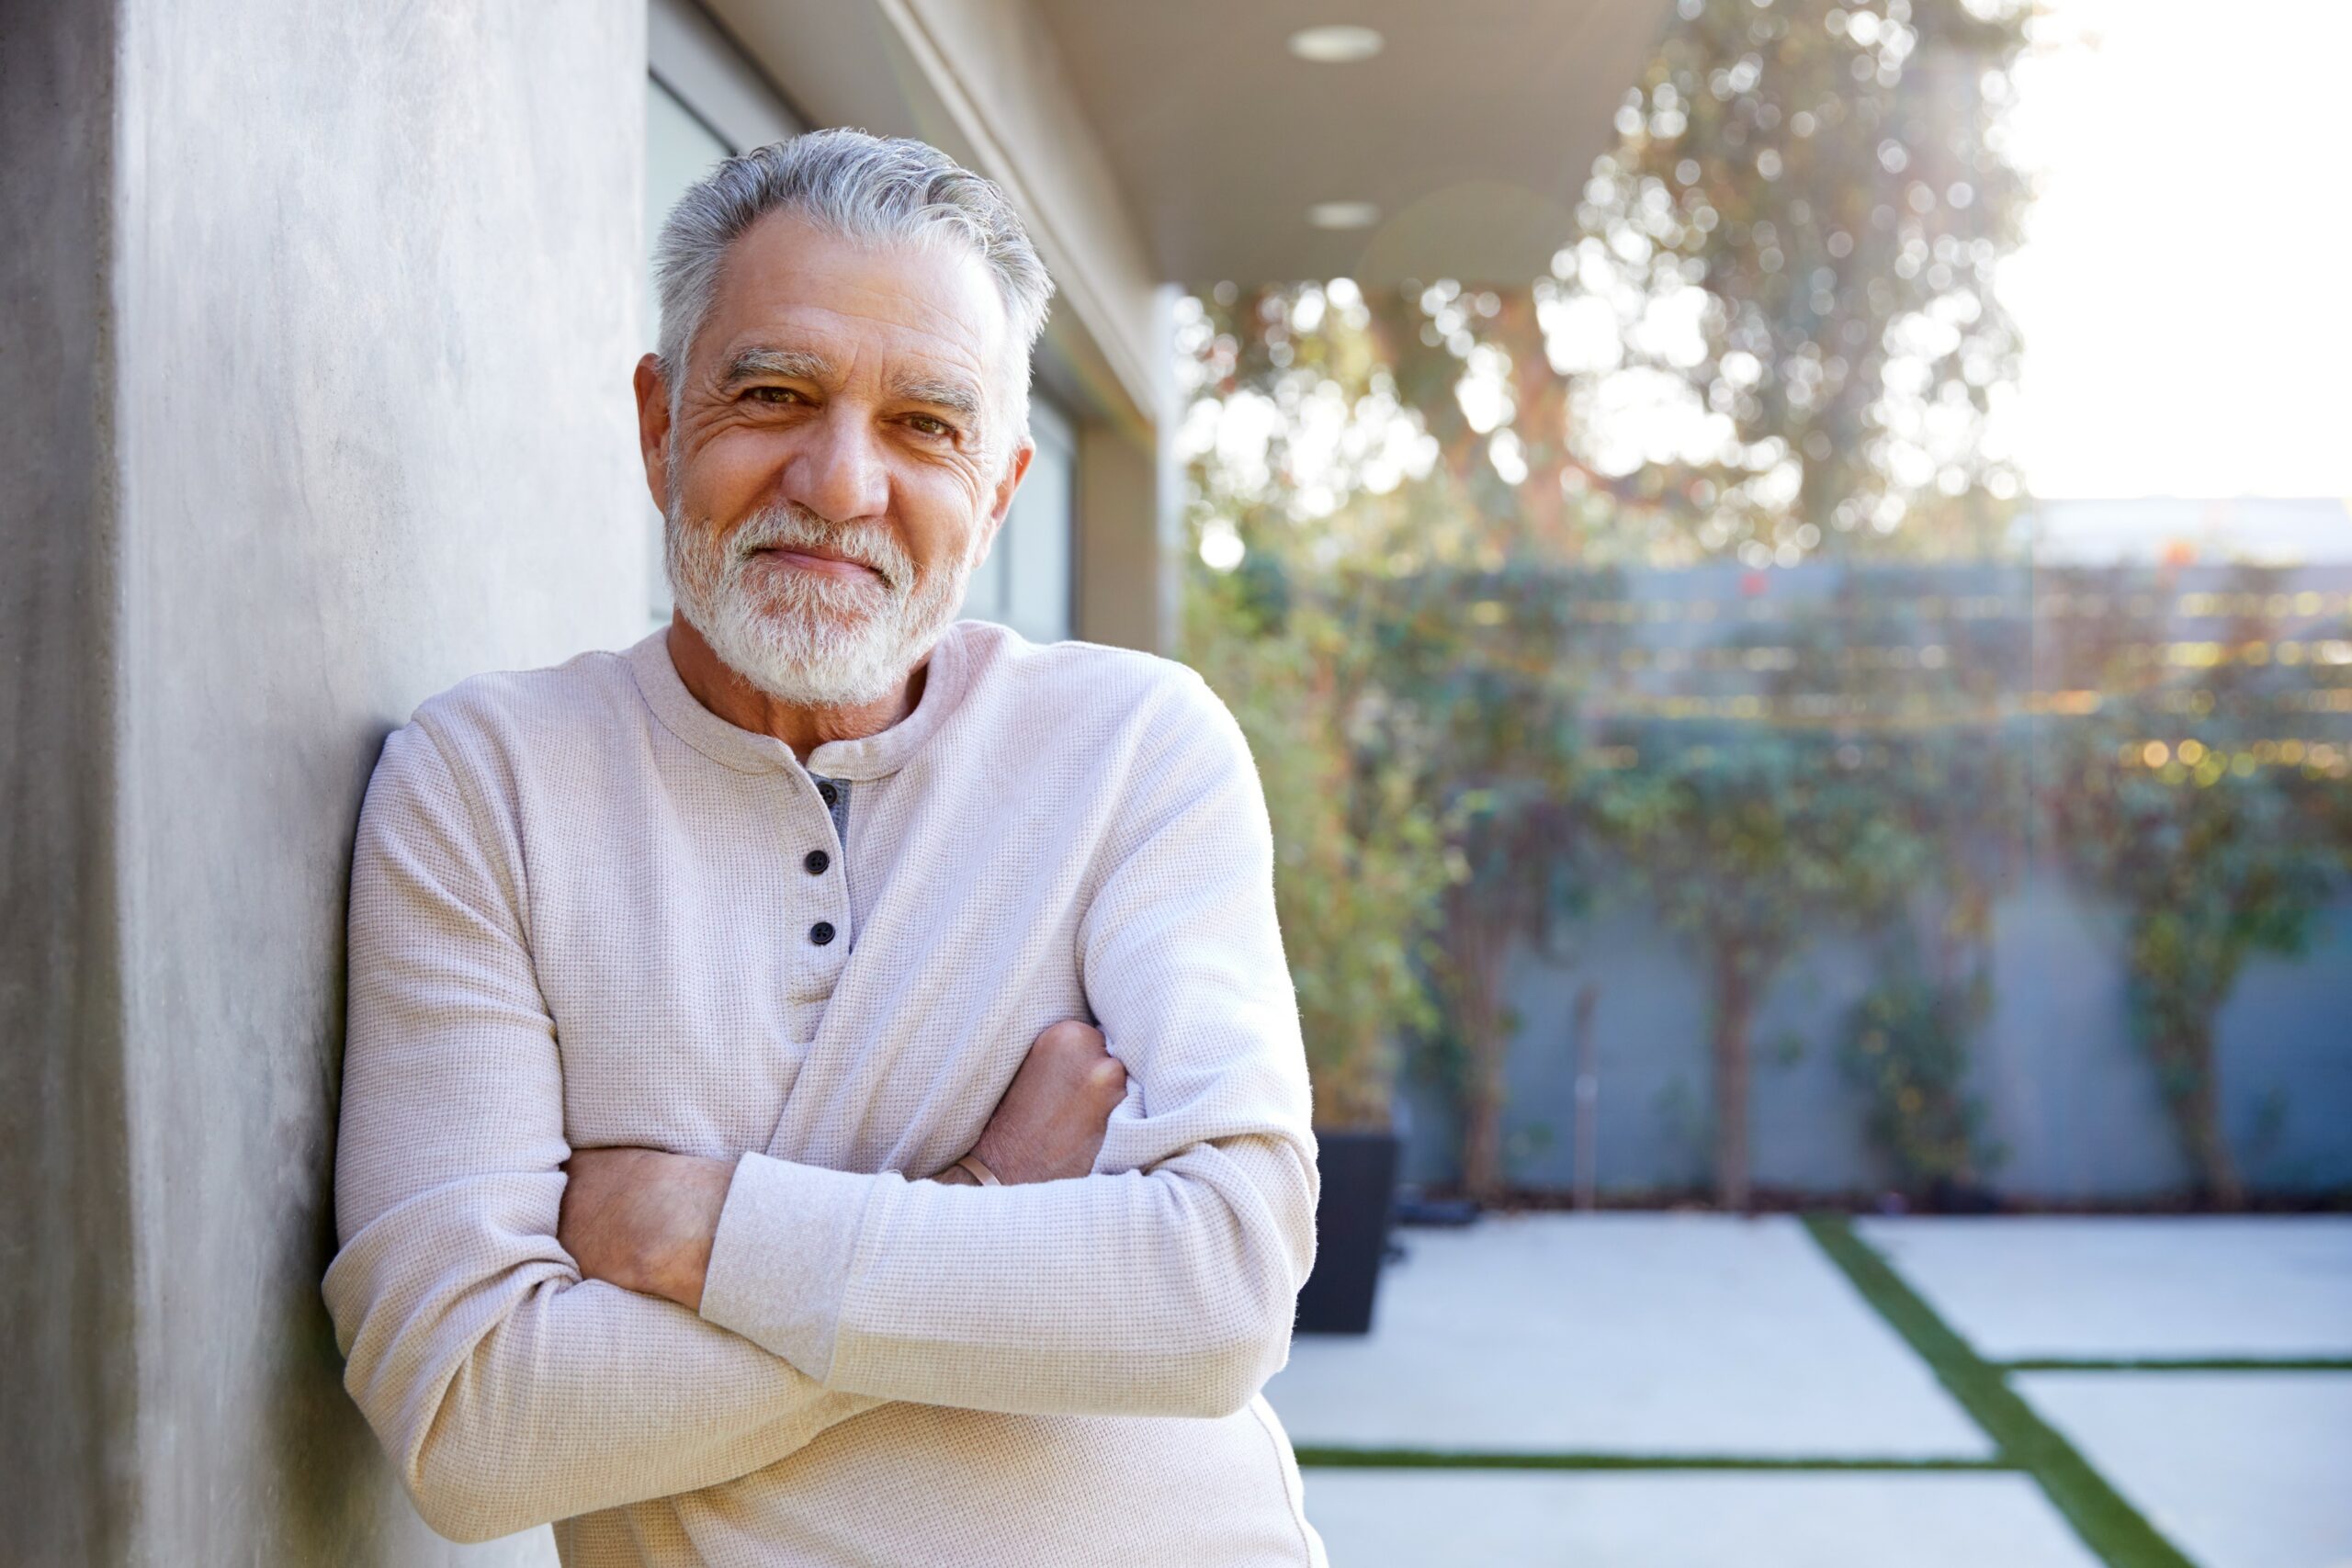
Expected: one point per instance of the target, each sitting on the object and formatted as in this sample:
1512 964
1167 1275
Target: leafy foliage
1798 234
2212 864
1752 852
2218 845
1773 339
1474 670
1358 868
1907 1046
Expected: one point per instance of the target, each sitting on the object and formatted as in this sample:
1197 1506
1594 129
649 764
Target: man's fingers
1051 1121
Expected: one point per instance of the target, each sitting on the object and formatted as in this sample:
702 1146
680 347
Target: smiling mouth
826 562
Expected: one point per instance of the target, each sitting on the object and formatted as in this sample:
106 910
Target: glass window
679 150
1025 581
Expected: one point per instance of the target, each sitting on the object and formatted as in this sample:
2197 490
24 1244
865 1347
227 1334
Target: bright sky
2187 326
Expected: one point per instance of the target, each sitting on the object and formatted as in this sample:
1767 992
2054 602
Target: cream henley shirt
585 911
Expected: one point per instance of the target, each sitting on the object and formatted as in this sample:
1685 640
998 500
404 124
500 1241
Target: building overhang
1186 143
1471 132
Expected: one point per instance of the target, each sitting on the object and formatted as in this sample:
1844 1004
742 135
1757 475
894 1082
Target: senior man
824 1086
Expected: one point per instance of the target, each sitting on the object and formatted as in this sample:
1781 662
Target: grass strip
2178 1364
1326 1457
2109 1525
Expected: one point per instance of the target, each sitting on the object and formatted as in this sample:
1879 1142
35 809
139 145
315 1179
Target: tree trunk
1476 946
2199 1109
1734 1009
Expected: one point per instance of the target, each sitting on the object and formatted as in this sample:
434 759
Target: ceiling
1473 131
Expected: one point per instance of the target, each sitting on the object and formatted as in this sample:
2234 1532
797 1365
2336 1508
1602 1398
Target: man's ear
1015 468
653 429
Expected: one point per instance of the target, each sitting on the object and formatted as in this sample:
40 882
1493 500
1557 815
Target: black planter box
1350 1231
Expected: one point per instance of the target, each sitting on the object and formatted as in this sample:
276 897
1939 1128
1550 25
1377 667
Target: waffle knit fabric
584 913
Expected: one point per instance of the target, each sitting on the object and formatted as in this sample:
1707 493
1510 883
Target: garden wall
2066 1090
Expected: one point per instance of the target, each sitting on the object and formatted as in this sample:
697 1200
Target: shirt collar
748 751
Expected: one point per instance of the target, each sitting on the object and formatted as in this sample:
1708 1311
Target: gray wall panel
2067 1090
66 1335
361 347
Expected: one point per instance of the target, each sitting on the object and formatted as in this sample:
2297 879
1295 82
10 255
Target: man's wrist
700 1197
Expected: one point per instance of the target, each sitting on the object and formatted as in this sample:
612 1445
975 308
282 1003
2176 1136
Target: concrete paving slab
2240 1469
2021 1287
1621 1334
1534 1520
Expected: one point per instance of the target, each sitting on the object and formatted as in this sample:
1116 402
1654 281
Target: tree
1751 851
1357 872
1480 695
1465 697
1773 336
1775 333
1785 278
2217 843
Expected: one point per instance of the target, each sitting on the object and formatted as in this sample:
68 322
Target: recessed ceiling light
1343 215
1335 45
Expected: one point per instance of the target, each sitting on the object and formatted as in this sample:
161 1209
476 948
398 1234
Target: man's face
838 461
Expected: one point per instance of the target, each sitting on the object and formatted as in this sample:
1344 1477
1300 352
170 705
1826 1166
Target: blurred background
1786 566
1840 685
1830 694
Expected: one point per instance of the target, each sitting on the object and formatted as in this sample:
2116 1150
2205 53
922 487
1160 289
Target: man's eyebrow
795 364
947 392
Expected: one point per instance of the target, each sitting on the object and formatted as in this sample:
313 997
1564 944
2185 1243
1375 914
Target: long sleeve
1164 1283
508 1391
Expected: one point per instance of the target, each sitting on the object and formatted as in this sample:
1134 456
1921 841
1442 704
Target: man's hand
1049 1126
643 1219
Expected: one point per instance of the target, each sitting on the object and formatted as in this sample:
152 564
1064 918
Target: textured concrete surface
2095 1287
2240 1469
322 406
65 1318
1626 1334
1370 1518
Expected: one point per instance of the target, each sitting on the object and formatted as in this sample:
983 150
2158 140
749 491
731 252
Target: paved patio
1652 1391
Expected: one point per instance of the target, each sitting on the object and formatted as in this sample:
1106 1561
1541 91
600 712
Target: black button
816 862
830 796
821 932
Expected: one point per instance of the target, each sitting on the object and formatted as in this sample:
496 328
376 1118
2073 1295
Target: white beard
806 638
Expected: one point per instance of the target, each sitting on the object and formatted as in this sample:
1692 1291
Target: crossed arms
644 1219
512 1386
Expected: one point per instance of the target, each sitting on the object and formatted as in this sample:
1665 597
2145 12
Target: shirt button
828 793
816 863
821 932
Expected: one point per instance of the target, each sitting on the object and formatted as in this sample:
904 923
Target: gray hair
861 187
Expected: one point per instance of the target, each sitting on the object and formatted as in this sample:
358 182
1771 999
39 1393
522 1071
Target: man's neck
716 686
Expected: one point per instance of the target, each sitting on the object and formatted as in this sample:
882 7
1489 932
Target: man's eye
924 424
772 395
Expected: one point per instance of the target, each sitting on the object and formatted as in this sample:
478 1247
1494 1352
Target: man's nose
838 470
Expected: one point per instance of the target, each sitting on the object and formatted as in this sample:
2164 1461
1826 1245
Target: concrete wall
65 1280
324 408
2065 1089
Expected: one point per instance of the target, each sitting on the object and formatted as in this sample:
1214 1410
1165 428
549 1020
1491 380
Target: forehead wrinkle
785 267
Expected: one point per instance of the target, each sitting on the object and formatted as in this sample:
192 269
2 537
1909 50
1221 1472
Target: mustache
789 525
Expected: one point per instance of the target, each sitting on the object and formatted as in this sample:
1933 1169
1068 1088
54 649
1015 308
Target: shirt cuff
780 1261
